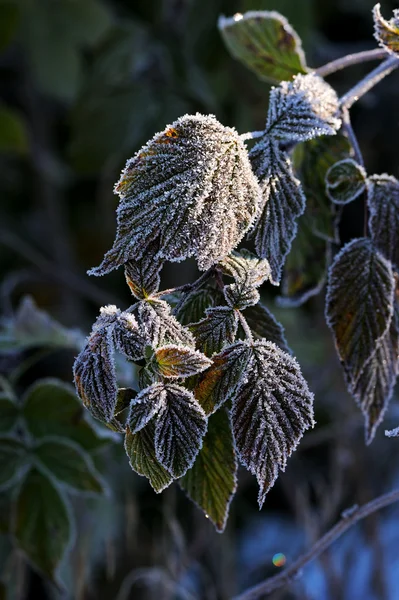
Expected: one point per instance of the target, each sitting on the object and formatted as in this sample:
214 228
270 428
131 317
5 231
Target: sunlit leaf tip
387 32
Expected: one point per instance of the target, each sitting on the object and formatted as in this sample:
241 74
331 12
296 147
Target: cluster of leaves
217 382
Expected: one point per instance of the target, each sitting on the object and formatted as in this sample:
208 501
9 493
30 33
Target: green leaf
8 413
191 308
311 161
212 481
387 32
383 202
68 463
265 43
345 181
305 269
12 459
13 131
140 448
263 325
9 21
42 526
359 304
218 329
51 407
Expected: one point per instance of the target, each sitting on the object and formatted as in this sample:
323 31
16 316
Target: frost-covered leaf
140 449
359 304
218 329
180 427
373 390
191 307
383 202
263 325
387 32
272 408
212 481
311 162
31 326
302 109
51 407
283 202
217 385
241 295
8 413
128 337
145 406
392 432
264 42
12 459
95 375
190 189
42 527
160 326
143 275
124 398
180 361
305 269
345 181
244 265
68 463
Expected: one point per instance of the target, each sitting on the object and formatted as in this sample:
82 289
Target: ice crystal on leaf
216 330
392 432
359 304
180 361
302 109
160 326
241 295
190 190
383 202
244 265
345 181
282 203
145 406
387 32
143 275
271 408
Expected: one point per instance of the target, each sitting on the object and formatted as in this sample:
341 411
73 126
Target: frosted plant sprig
216 378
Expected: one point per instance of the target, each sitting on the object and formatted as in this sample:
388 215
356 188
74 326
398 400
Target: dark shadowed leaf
283 202
12 459
305 269
180 427
68 463
51 407
302 109
42 525
217 384
140 449
383 202
387 32
264 325
145 406
218 329
359 304
180 361
311 162
374 388
265 43
214 200
143 275
272 408
191 307
8 413
345 181
212 481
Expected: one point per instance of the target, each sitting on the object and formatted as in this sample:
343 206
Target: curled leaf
387 32
190 190
264 42
345 181
359 304
383 202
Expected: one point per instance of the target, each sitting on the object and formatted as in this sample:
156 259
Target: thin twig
347 127
366 84
349 518
251 135
245 326
349 60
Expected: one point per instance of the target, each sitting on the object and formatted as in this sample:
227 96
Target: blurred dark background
83 84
